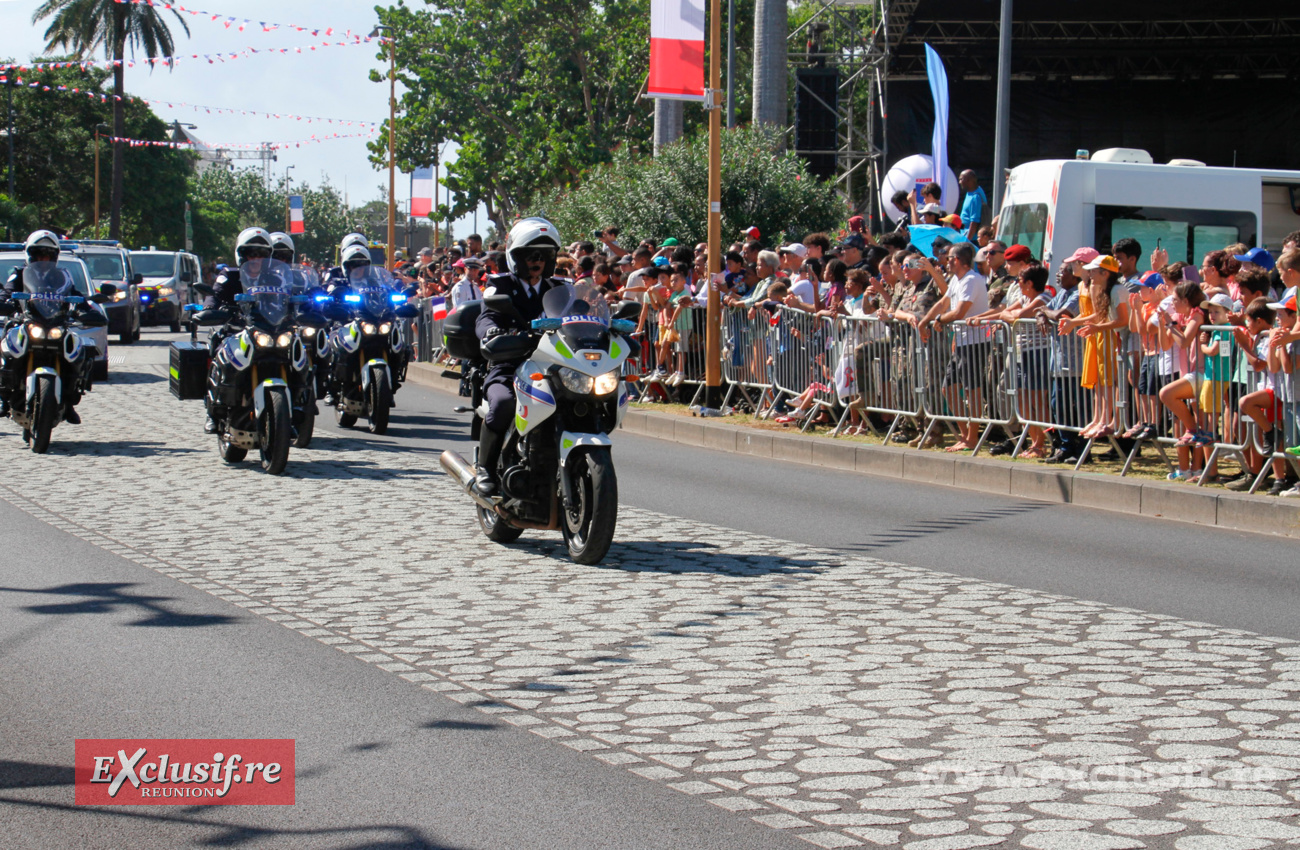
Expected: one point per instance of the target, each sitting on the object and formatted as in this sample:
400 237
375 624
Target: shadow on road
210 830
344 468
26 774
121 448
109 597
121 376
927 528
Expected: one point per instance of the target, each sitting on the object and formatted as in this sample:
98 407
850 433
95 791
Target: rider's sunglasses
257 253
537 256
45 254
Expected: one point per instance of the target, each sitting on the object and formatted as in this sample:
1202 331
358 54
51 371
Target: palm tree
82 26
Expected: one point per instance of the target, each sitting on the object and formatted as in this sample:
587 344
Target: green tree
654 198
534 92
17 220
54 160
84 26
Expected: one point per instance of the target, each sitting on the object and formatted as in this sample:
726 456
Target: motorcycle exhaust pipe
455 466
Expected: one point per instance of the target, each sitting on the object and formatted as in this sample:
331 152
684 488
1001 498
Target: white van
1057 206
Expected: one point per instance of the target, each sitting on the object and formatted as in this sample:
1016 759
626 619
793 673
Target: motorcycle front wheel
44 415
381 399
276 433
588 527
308 426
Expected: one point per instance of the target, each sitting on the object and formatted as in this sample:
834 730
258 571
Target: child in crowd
1156 365
1181 326
1260 405
1102 313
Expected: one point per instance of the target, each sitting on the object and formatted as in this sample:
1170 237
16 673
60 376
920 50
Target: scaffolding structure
854 38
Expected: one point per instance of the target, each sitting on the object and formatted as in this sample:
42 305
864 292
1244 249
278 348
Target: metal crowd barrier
966 378
880 371
428 335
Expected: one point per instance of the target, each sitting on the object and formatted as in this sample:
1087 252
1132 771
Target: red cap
1018 254
752 233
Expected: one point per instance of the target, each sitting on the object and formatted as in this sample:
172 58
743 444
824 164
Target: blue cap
1151 280
1258 256
662 261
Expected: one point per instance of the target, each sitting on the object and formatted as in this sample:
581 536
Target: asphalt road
98 645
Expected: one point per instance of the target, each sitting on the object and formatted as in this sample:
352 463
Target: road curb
1180 502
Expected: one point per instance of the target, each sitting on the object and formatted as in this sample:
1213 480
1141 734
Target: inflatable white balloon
907 173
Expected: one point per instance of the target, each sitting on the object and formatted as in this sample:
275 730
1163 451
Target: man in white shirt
965 378
469 287
802 290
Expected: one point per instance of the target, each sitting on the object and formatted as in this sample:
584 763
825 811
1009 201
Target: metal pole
10 129
731 64
287 223
1003 136
712 337
410 219
96 182
392 145
437 229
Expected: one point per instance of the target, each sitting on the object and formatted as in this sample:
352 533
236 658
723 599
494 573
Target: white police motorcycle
556 470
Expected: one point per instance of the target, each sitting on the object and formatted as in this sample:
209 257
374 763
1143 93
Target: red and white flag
422 192
676 49
295 215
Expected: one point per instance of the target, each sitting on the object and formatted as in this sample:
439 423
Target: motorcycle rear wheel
44 415
496 528
229 452
588 528
381 399
308 426
277 433
344 420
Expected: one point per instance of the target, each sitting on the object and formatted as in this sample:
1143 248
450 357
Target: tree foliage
54 161
654 198
533 92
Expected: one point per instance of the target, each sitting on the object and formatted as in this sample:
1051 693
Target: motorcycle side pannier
188 375
459 337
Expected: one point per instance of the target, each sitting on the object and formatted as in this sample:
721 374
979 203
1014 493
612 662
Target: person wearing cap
1103 309
1283 345
1258 257
1151 377
1005 266
953 221
930 195
929 214
469 287
851 248
1069 403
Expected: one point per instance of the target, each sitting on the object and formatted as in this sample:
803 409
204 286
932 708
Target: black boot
70 415
489 452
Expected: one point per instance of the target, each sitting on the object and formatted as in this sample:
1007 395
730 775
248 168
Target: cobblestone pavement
850 701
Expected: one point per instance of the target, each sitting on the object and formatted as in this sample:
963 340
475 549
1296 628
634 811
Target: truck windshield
1024 224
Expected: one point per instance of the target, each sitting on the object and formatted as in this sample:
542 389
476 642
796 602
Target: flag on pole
422 192
295 215
938 77
439 307
676 49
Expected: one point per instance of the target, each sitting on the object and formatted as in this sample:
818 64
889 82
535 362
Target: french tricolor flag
676 49
295 215
439 307
422 192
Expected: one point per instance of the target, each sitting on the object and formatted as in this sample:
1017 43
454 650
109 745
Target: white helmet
353 239
41 240
535 232
355 255
282 245
253 237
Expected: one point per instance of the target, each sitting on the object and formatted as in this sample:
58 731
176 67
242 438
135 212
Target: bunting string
217 147
172 61
106 97
240 24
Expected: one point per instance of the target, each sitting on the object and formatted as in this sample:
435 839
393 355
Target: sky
333 82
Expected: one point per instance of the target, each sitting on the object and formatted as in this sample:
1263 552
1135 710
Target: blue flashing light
320 298
397 298
144 297
352 299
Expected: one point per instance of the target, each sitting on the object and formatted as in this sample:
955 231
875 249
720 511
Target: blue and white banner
939 141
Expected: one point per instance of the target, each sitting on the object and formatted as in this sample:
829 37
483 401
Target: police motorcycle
555 469
45 363
312 327
260 370
367 348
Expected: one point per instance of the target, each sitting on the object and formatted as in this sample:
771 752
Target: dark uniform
499 385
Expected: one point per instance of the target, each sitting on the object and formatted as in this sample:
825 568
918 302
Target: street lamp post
392 120
99 129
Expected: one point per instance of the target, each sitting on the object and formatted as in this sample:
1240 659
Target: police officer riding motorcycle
253 243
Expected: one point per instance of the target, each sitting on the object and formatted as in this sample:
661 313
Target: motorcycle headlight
56 333
367 328
606 383
283 340
36 331
120 295
574 381
385 327
263 340
164 291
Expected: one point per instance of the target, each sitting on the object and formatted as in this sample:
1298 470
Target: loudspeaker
816 121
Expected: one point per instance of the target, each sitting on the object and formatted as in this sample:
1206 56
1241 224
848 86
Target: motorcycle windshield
48 285
377 292
304 279
269 283
578 302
